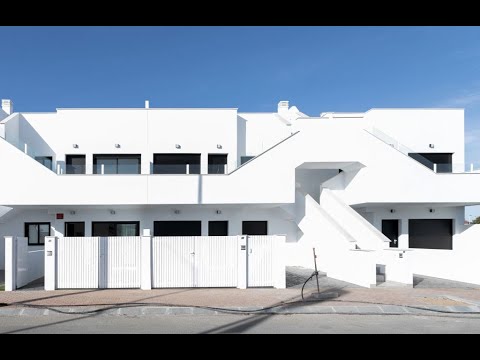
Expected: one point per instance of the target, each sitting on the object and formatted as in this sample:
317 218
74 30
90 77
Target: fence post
242 261
279 275
146 260
10 263
50 262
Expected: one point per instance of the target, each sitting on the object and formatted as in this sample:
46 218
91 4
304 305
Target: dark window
218 228
117 164
176 164
117 228
75 164
177 228
254 228
244 159
217 164
390 230
36 232
74 229
443 161
430 233
45 161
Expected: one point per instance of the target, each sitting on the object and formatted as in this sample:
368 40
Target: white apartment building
377 192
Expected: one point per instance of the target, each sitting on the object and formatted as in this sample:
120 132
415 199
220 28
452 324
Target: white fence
164 262
98 262
23 264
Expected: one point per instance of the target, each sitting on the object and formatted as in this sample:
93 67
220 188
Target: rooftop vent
7 106
282 106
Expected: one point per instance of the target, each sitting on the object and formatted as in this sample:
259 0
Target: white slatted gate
195 261
261 260
98 262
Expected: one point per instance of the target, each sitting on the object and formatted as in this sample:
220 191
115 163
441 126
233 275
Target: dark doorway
177 228
46 161
74 229
390 230
117 228
75 164
176 163
218 228
117 164
430 233
255 228
217 164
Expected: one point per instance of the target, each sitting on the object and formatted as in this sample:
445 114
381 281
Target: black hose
305 283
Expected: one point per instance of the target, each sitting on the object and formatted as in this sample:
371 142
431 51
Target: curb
172 310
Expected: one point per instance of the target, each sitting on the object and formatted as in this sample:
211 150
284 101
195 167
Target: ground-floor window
177 228
36 232
117 228
255 228
218 228
74 229
430 233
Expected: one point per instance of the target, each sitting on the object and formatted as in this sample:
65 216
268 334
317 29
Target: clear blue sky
316 68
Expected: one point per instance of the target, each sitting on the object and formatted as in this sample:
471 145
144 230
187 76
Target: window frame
74 222
27 232
116 157
137 223
71 156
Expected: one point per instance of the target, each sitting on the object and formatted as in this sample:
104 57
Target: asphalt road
243 324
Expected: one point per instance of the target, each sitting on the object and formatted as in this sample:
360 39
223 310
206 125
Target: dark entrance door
390 230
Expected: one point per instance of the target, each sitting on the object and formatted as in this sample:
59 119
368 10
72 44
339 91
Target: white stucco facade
326 182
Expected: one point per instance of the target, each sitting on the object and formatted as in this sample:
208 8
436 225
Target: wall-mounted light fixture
112 212
117 146
72 212
177 146
218 212
432 210
176 211
75 146
431 146
392 210
219 146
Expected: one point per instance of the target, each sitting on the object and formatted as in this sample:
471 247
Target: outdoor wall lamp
72 212
392 210
177 146
112 212
432 210
176 211
75 146
117 146
219 146
431 146
218 212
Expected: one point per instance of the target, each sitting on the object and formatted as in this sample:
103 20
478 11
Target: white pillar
204 228
204 163
146 260
50 262
403 236
242 262
279 276
10 263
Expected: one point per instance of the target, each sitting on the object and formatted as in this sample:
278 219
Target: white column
204 163
242 262
146 260
50 262
204 228
403 236
10 263
279 276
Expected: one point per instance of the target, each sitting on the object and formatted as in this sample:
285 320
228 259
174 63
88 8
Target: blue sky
317 68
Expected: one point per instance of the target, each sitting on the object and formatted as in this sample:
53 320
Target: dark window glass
254 228
443 161
177 228
430 233
390 230
117 228
45 161
75 164
176 164
74 229
218 228
217 164
117 164
244 159
36 232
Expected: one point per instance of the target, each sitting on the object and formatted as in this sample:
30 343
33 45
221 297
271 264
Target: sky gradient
317 69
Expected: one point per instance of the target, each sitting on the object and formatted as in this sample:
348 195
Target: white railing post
25 148
50 262
471 167
279 274
188 169
435 168
242 262
102 169
146 260
10 263
58 169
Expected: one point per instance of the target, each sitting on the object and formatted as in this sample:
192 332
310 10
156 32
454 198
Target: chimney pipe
7 106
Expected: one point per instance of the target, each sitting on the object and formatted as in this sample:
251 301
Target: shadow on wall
36 145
